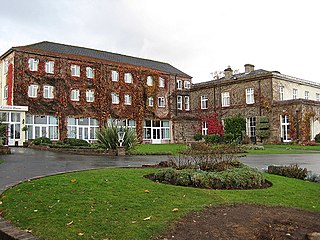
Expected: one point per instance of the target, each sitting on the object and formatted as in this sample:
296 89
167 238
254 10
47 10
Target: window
179 102
162 82
42 126
33 64
251 127
179 84
285 128
204 102
82 128
114 76
149 81
156 130
187 84
127 99
249 95
49 67
6 67
294 93
128 78
90 72
150 101
281 92
48 91
204 128
317 96
306 95
75 70
33 91
90 96
161 102
186 103
115 98
5 92
75 95
225 99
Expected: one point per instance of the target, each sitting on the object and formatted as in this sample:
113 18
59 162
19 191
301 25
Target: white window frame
78 130
306 95
75 95
115 98
90 72
281 93
204 128
162 82
6 67
48 91
114 76
90 95
225 99
179 84
179 102
251 126
161 102
49 67
187 84
75 70
5 92
49 128
250 95
204 102
128 78
33 90
150 81
127 99
294 93
187 103
150 101
33 64
285 128
155 130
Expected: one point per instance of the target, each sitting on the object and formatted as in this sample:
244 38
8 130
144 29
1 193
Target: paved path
25 163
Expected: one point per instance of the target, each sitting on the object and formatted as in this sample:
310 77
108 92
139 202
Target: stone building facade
291 105
66 91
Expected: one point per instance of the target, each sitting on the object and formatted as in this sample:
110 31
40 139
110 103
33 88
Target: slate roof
98 54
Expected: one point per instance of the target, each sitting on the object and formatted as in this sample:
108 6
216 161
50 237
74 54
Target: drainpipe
259 92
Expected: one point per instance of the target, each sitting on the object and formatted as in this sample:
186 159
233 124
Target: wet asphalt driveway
25 163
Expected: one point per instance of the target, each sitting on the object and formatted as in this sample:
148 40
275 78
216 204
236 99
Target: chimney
248 68
228 73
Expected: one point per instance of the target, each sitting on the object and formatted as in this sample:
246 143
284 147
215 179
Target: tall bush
262 127
235 125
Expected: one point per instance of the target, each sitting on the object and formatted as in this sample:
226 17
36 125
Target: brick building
291 105
61 91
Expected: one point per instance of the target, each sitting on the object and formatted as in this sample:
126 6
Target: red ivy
213 124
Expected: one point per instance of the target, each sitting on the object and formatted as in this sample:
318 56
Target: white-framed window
187 84
42 126
127 99
285 128
90 72
33 64
75 95
204 129
162 82
150 101
49 67
6 66
225 99
114 76
161 102
179 84
251 126
306 95
33 91
204 102
179 102
5 92
294 93
149 81
156 130
186 103
115 98
128 78
249 95
48 91
75 70
281 93
82 128
90 95
317 96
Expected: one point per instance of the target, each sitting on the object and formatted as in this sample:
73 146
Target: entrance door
14 132
156 137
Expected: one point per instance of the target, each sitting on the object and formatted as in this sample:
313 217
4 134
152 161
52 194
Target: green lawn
1 161
113 203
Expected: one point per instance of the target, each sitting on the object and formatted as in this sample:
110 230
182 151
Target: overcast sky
197 37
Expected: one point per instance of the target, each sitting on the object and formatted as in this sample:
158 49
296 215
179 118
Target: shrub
263 127
317 138
41 140
213 139
292 171
76 142
198 137
235 125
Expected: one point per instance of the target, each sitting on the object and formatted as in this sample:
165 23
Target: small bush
198 137
76 142
317 138
213 139
41 141
292 171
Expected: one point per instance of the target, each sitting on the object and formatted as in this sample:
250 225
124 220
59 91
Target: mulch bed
246 222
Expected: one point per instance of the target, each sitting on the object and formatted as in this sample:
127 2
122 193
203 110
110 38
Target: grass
1 161
113 203
158 149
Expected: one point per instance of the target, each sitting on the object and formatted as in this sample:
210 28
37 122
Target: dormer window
33 64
